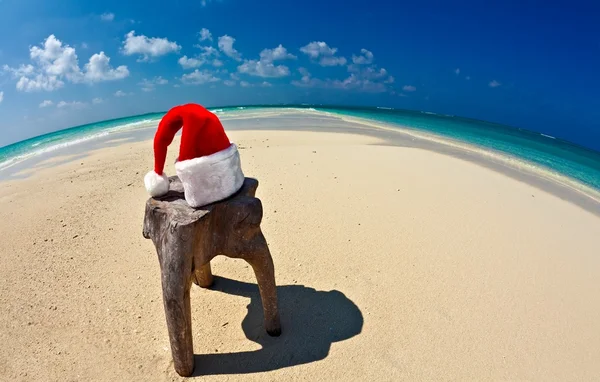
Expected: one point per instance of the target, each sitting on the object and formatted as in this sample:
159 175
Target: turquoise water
29 148
46 143
563 157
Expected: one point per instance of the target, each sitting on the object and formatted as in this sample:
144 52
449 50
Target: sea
575 162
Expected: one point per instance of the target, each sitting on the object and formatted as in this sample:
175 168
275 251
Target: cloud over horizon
53 63
148 47
321 52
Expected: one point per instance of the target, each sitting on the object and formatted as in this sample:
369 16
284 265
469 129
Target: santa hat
208 163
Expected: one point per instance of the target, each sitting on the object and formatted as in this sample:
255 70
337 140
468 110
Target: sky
528 64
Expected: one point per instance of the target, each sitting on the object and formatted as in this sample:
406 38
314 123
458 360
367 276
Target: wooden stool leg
262 263
203 277
176 269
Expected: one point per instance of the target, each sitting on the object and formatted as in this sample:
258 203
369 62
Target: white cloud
409 88
46 103
205 34
494 84
457 71
326 55
365 57
263 69
148 47
307 80
39 82
304 71
370 73
198 78
120 93
56 59
278 53
107 16
208 51
54 62
96 101
23 70
149 85
73 104
246 84
226 46
234 76
229 82
332 61
355 82
98 69
195 62
1 97
365 80
190 63
318 48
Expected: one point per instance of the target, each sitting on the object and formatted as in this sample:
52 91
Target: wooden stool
187 239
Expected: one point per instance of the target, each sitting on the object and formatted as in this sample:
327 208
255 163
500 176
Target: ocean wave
132 125
27 155
547 136
384 108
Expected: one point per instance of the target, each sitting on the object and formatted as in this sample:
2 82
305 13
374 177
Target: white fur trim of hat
211 178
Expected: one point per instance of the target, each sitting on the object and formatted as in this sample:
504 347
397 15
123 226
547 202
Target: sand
393 263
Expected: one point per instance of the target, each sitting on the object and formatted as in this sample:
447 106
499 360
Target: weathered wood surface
187 239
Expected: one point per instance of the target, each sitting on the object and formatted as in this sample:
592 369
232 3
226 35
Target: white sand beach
392 263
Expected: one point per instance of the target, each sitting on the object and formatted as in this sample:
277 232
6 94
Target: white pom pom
156 185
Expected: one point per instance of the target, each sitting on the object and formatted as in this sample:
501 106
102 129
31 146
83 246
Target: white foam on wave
75 141
134 125
384 108
21 157
547 136
265 113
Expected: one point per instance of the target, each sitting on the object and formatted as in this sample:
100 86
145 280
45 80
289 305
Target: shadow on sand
311 321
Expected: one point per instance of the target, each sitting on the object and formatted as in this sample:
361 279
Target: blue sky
528 64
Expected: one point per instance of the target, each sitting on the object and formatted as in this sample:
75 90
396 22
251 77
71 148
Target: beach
396 258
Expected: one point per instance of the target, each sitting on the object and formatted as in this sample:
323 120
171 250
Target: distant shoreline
289 119
77 142
316 107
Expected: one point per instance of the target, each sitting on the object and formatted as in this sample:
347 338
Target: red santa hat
208 163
